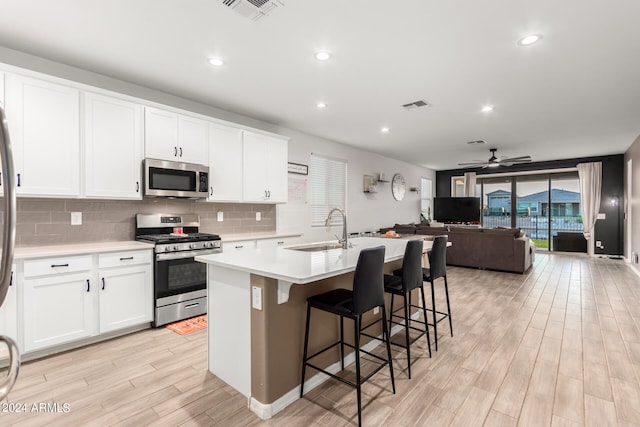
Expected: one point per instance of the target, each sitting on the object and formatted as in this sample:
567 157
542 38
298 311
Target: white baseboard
268 410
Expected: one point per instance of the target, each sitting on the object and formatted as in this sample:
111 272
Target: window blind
328 189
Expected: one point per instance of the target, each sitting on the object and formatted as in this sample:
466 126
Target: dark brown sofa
488 248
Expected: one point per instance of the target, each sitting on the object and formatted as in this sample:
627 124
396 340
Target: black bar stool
402 283
438 268
367 294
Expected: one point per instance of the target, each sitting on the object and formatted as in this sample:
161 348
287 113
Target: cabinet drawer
58 265
122 259
273 243
238 246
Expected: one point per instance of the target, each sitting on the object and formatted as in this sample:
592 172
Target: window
457 186
328 189
426 197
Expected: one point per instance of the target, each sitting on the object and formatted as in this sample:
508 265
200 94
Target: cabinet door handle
211 191
11 280
18 180
194 305
281 242
137 186
103 283
265 194
239 247
59 265
180 151
88 285
124 259
175 151
0 178
269 194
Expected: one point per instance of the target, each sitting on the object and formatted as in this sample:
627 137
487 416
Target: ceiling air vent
253 9
480 141
415 105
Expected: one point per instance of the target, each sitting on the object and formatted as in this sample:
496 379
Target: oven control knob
192 245
207 244
167 249
176 247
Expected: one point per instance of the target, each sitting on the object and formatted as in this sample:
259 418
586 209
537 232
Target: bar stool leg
433 312
358 383
306 344
391 317
446 290
406 334
426 319
385 332
342 342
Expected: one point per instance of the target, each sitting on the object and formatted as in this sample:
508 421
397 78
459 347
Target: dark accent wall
609 230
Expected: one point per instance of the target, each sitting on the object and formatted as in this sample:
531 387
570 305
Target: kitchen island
257 307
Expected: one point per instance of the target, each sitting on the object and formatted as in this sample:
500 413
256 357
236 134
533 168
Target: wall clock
398 186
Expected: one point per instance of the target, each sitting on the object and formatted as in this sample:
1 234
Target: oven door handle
186 254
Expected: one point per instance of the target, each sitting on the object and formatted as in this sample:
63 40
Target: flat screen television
456 209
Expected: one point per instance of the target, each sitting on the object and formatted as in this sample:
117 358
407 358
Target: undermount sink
317 247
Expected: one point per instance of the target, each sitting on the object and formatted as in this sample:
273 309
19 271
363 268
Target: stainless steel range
180 283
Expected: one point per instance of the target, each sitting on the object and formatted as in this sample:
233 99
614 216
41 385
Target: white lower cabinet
126 291
58 305
66 299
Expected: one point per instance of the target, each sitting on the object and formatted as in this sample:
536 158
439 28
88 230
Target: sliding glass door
546 207
496 202
564 212
532 214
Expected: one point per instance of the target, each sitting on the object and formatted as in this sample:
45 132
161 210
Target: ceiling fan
494 161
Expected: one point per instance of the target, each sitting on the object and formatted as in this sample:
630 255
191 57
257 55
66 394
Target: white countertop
79 249
256 236
305 267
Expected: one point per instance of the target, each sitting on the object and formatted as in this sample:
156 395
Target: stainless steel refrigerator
8 245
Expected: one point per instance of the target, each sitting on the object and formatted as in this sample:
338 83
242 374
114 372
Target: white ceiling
575 93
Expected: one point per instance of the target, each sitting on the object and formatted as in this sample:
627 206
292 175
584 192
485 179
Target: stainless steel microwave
175 179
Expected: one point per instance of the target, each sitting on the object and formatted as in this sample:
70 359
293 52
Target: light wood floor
557 346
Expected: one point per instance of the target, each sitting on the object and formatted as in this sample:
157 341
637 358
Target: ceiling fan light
493 165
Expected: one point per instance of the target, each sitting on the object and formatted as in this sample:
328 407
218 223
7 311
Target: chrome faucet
327 222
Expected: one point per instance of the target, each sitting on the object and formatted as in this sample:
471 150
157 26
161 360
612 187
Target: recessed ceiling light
217 62
321 105
323 55
530 39
384 130
487 108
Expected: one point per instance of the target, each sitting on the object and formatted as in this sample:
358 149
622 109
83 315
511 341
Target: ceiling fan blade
516 159
480 163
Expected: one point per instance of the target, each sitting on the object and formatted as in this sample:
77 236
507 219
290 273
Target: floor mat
187 326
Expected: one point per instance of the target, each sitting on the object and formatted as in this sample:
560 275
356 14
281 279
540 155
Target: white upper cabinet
192 139
225 163
264 169
174 137
113 141
45 132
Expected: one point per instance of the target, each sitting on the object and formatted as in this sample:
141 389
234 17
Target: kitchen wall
365 211
632 203
48 221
